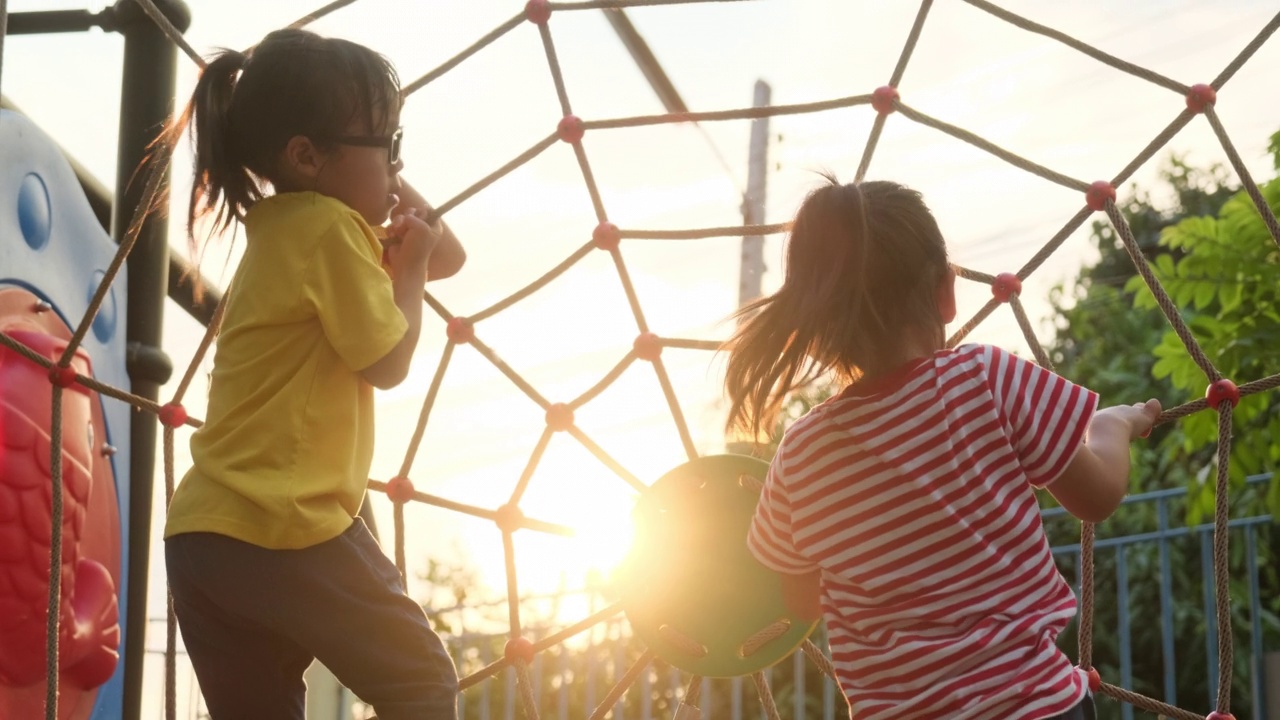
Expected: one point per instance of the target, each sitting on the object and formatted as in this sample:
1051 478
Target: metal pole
146 103
4 30
40 22
753 204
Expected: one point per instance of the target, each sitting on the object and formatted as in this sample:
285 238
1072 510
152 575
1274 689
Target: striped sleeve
770 538
1045 414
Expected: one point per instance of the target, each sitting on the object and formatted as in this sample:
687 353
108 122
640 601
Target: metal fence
1156 579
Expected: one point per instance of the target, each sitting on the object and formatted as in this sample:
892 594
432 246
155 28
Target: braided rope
1167 306
93 384
1222 588
151 192
766 696
764 636
1042 357
1115 62
682 642
54 609
171 620
627 680
1242 172
1084 631
534 286
406 466
1247 52
528 701
688 709
819 658
498 665
979 142
894 81
746 113
311 17
173 33
1142 702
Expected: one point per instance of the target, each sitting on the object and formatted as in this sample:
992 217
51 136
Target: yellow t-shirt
283 458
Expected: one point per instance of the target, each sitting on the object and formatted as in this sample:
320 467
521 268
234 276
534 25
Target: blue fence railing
1166 540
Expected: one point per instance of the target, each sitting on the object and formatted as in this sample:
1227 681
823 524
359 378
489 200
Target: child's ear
302 157
946 296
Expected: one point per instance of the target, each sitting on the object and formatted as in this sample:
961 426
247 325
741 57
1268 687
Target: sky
1024 92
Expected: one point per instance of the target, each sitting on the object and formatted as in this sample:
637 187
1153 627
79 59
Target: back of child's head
864 264
247 106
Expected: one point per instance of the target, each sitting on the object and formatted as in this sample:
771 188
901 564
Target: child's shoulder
305 213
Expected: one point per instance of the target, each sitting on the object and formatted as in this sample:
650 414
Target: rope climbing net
1099 196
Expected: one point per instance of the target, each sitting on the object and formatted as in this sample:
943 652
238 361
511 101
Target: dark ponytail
222 185
863 263
247 106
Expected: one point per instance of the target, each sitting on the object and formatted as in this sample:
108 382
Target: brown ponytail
223 186
863 261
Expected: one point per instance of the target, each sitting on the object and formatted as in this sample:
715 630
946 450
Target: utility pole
752 269
753 203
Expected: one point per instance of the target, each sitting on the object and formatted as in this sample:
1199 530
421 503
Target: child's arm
1097 478
449 256
408 259
802 594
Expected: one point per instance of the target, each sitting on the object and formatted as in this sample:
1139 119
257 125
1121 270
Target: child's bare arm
448 256
408 256
1096 480
802 594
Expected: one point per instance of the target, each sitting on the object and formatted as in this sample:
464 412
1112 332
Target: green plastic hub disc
691 588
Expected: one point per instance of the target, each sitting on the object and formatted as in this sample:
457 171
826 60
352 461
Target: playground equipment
687 638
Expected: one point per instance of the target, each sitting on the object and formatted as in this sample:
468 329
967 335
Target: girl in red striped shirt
903 509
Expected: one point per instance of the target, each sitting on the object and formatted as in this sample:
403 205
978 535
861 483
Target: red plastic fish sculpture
89 615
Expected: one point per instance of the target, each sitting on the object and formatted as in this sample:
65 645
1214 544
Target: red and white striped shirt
914 497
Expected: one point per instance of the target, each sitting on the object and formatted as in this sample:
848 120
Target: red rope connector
518 650
883 99
1095 680
173 415
63 377
1098 194
1200 97
559 417
606 236
1215 715
570 129
400 489
1221 390
537 12
460 330
1006 286
508 518
648 346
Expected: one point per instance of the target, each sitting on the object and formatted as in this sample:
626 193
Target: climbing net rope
1099 196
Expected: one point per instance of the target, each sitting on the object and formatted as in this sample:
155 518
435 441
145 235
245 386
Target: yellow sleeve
352 295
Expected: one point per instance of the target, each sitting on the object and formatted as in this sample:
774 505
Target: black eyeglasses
390 142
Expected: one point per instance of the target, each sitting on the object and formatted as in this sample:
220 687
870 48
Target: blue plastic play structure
53 253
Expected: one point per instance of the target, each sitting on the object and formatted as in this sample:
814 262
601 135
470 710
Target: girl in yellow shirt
270 568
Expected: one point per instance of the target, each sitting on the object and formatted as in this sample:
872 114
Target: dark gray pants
252 620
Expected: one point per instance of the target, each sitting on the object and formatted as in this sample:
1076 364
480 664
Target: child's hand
409 243
1140 417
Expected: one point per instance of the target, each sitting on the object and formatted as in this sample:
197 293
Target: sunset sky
1024 92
